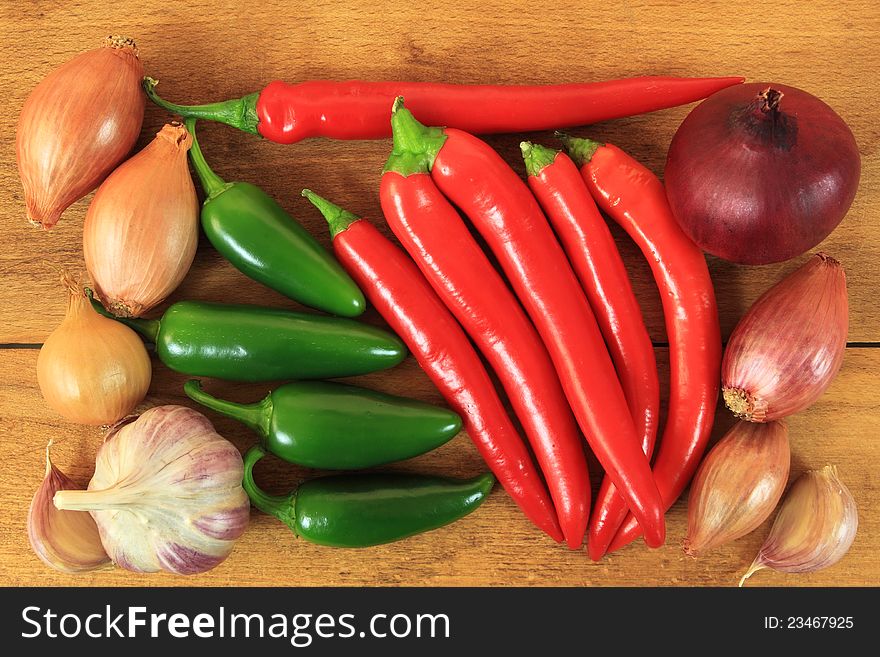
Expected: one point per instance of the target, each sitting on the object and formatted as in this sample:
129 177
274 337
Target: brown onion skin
76 126
738 485
142 228
787 349
757 187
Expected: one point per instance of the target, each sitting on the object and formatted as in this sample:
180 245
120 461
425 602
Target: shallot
77 125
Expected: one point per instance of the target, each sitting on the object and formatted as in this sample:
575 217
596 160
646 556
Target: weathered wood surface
226 49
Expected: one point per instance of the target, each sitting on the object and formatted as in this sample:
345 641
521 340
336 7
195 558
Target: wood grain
226 49
494 546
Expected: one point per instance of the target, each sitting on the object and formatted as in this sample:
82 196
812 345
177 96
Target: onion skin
77 125
755 185
91 369
738 485
142 227
789 346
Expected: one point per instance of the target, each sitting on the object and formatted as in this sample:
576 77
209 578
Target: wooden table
831 49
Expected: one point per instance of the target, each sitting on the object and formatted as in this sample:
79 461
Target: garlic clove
815 526
65 540
738 485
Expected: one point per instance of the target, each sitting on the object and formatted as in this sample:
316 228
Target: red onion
77 125
760 173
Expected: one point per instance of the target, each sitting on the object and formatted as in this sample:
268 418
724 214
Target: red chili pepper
557 184
634 197
504 212
355 109
400 293
433 233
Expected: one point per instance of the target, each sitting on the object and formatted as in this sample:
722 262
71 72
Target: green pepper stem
149 328
240 113
536 157
213 184
280 506
579 149
256 416
337 218
415 145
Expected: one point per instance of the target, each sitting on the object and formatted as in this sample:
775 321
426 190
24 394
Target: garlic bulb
91 369
65 540
789 346
738 485
142 227
77 125
815 526
166 494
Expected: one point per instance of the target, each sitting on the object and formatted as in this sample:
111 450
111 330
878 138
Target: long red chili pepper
634 197
400 293
557 184
430 229
504 212
356 109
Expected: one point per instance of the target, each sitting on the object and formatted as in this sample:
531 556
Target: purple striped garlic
166 493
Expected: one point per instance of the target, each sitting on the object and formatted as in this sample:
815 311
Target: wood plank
230 51
494 546
227 49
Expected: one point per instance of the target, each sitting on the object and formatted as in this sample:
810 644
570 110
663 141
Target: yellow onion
141 229
738 485
815 526
789 346
77 125
91 369
65 540
166 494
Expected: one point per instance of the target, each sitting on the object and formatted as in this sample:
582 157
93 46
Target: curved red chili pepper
557 184
433 233
634 197
476 179
400 293
357 109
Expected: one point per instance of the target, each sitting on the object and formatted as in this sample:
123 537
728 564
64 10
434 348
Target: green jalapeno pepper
334 426
368 509
263 242
252 343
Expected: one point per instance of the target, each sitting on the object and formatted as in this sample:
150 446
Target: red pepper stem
240 113
579 149
255 416
337 218
537 157
213 184
149 328
415 145
282 507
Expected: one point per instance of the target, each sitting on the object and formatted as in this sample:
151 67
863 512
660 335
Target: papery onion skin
77 125
755 185
64 540
142 227
789 346
166 493
815 527
738 485
91 369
